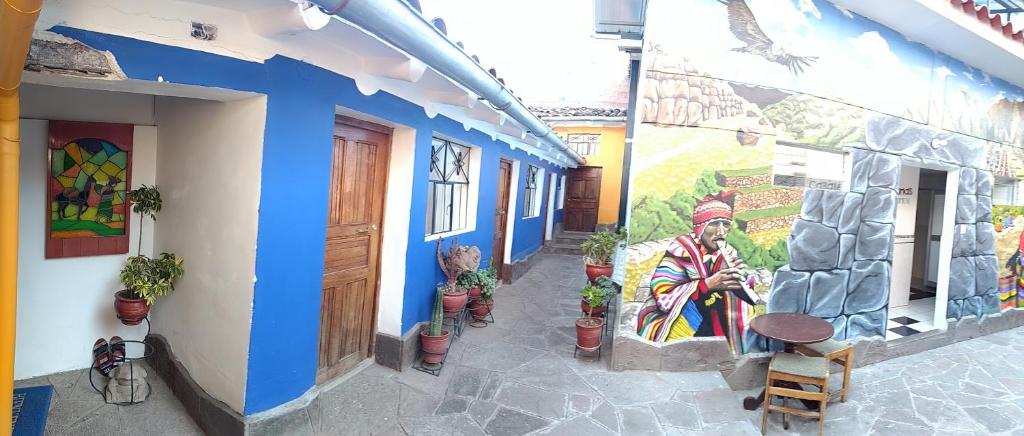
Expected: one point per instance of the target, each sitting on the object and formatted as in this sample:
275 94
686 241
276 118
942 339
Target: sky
542 48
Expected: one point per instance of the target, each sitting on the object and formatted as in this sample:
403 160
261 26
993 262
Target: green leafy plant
148 278
486 279
489 280
145 201
595 296
600 247
437 316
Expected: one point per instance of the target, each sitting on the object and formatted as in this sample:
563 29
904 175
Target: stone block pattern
678 95
840 249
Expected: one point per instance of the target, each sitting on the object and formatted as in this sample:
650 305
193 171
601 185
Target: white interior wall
64 305
208 171
903 244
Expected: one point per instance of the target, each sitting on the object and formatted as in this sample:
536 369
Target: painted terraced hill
759 206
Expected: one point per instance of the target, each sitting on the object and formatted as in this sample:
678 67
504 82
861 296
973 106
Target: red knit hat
712 207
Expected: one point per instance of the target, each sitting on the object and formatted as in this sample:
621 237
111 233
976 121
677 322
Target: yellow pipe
17 19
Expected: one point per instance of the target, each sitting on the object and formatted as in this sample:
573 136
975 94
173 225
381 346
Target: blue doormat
31 405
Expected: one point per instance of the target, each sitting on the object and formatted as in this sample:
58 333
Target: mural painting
88 188
792 120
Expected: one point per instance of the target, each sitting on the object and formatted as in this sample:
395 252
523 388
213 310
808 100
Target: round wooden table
791 329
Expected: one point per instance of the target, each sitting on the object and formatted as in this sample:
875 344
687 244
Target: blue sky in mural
856 60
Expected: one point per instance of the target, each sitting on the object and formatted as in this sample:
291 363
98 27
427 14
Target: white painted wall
550 224
208 170
64 305
395 242
512 215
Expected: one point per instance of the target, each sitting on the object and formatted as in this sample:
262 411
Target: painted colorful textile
681 305
1008 292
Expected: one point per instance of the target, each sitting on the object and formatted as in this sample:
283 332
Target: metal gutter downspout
17 19
397 23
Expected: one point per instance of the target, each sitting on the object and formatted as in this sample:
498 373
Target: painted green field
74 225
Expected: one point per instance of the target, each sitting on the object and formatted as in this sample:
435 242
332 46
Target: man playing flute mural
699 288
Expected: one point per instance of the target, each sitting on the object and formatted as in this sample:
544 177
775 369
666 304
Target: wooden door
351 253
582 197
501 216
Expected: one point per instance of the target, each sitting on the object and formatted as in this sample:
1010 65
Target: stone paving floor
77 409
968 388
518 376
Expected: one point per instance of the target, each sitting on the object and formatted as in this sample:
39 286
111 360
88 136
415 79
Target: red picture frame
87 204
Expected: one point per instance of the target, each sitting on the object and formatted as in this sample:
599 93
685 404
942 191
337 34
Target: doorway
917 254
582 199
501 217
351 253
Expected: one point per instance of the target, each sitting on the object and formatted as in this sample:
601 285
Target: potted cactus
434 340
598 251
588 328
457 260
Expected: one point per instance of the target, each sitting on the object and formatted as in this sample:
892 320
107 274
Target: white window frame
584 143
471 196
537 194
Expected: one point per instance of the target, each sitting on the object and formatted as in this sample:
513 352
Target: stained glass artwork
88 189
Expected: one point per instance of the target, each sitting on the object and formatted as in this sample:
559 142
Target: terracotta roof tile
983 14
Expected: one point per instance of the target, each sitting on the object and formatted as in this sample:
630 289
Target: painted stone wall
807 172
841 246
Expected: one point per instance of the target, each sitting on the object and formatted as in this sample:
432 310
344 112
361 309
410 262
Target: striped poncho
681 305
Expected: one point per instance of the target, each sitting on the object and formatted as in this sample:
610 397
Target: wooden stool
792 370
835 351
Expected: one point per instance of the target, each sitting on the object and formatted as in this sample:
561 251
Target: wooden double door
352 250
582 198
501 217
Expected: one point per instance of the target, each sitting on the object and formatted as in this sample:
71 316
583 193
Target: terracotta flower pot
454 303
595 271
480 308
598 311
433 347
588 332
131 311
475 292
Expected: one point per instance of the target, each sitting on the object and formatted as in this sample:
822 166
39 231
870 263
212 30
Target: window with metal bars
584 143
530 203
448 198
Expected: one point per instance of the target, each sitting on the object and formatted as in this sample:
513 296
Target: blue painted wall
301 101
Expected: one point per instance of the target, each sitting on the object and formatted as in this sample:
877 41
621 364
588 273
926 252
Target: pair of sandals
107 355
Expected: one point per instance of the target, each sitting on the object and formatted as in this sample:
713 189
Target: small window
448 198
534 186
584 143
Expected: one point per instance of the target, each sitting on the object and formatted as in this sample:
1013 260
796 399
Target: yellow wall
609 158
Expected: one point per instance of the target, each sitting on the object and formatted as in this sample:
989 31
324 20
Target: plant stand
457 322
433 369
129 362
577 348
482 322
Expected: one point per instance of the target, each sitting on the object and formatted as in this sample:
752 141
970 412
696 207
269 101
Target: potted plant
434 340
458 260
144 278
470 281
598 250
588 328
604 285
487 281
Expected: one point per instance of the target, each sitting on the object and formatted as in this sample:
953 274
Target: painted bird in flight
743 25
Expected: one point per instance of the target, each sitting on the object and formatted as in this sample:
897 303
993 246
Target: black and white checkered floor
911 319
